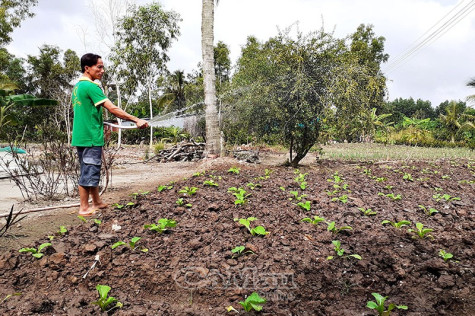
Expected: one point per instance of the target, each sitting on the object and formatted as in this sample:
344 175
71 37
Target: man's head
92 66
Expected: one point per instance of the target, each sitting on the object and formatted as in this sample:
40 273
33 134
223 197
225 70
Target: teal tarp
9 149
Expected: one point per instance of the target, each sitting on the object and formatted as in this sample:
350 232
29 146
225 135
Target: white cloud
437 72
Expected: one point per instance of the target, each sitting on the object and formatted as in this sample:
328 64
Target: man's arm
115 110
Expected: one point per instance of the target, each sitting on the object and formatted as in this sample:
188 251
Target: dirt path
129 175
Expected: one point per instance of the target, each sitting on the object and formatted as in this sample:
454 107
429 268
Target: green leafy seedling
98 222
36 252
407 177
82 218
295 195
62 230
234 170
396 224
379 305
162 225
367 212
431 211
246 222
253 302
210 183
240 195
315 221
445 255
332 228
240 251
132 243
340 251
198 174
420 231
164 187
252 186
306 206
181 202
189 191
342 199
104 300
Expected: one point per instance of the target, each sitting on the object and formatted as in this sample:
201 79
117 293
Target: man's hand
141 123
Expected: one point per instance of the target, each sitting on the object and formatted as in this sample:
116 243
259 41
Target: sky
437 71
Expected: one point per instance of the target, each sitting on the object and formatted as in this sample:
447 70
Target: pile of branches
184 151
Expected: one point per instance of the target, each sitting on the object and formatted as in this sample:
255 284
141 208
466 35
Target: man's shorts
90 159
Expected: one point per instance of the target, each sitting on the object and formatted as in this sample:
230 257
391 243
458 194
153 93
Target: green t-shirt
87 98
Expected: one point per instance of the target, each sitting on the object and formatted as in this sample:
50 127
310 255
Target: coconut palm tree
213 137
471 83
452 120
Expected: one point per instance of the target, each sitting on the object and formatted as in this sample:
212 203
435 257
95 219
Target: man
88 99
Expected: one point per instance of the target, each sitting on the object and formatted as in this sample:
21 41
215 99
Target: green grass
366 151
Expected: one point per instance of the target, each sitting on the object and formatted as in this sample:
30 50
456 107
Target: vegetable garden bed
328 264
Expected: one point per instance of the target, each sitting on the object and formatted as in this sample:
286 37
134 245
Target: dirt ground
190 269
130 174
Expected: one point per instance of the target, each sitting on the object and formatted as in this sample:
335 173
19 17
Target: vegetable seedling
396 224
332 228
379 305
132 243
342 199
234 170
104 300
429 211
36 252
239 251
252 186
162 225
246 222
210 183
296 196
340 251
407 177
253 302
198 174
182 202
62 230
240 195
164 187
367 212
315 221
306 206
445 255
420 231
189 191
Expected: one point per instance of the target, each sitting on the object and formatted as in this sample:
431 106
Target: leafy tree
213 137
281 88
143 39
222 63
12 13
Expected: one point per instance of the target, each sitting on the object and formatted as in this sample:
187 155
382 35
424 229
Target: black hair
88 60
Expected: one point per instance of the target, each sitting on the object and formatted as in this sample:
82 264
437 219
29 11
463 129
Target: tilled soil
190 270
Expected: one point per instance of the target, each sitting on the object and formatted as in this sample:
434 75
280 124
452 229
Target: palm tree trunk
213 140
